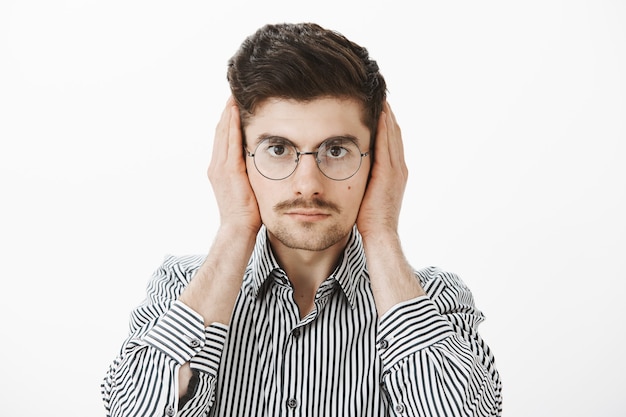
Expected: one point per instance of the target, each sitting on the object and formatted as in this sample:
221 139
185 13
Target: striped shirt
424 357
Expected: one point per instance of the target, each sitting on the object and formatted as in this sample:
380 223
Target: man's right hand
227 172
214 288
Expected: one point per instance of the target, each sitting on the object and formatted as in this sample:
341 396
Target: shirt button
292 403
399 408
169 411
384 344
194 343
296 333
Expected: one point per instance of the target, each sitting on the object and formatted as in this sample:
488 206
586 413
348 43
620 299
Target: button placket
287 346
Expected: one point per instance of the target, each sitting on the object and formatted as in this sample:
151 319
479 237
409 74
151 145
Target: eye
336 151
339 149
277 148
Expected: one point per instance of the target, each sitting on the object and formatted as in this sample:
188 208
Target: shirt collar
349 270
351 266
262 263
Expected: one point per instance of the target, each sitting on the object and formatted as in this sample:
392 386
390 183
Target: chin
309 237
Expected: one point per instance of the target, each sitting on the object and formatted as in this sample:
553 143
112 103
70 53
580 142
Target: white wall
513 115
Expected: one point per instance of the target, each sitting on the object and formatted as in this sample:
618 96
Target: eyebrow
265 136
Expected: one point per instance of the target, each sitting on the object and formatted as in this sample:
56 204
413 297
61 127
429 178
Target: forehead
307 124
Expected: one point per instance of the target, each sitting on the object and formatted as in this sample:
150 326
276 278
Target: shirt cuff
180 333
408 328
208 359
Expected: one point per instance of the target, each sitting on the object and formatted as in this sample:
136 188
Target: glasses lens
339 158
275 159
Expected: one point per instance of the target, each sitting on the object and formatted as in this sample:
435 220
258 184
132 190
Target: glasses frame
314 153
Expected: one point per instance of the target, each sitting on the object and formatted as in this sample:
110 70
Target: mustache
297 203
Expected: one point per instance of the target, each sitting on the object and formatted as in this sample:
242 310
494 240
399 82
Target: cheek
256 184
257 181
358 186
266 193
353 193
353 189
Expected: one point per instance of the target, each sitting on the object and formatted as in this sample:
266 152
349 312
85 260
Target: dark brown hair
303 62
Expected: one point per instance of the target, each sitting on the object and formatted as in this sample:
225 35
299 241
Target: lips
307 215
303 212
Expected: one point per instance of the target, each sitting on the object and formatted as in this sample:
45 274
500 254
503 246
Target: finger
381 148
235 145
396 145
221 134
391 113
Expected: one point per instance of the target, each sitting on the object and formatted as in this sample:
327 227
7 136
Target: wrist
233 230
380 235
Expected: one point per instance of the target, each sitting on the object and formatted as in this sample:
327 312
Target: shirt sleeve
434 361
164 334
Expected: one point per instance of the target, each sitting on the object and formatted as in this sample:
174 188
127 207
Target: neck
307 269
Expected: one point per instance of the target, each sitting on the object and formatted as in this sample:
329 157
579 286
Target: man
305 304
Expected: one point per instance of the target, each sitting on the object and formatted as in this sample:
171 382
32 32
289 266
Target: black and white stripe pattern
423 358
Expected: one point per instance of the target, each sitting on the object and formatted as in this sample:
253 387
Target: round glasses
337 158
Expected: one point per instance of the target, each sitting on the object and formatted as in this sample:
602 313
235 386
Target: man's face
307 210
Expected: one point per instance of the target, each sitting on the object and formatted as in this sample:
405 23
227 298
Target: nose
307 180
